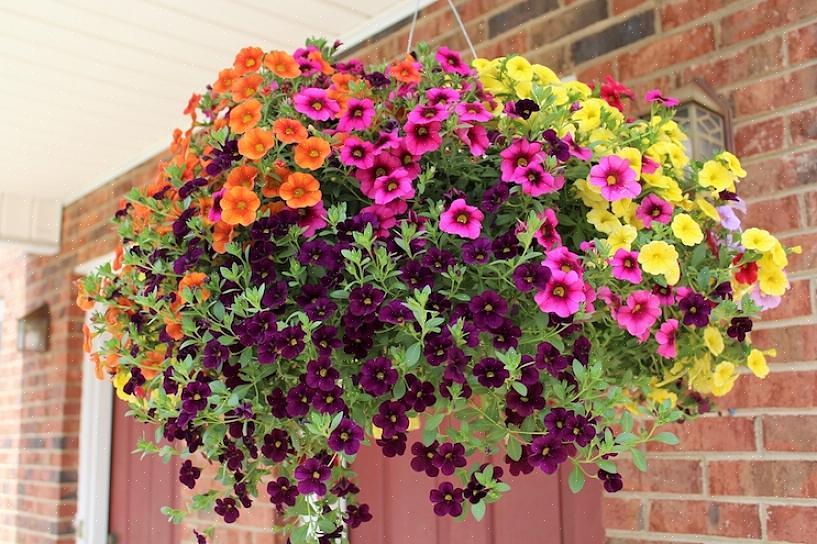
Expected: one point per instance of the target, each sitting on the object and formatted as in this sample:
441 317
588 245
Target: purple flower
506 246
365 300
612 482
581 430
436 346
329 402
315 104
696 310
447 500
423 460
298 400
395 312
449 457
477 251
419 394
739 327
377 376
320 310
226 508
188 474
530 276
416 276
451 62
276 445
357 116
525 108
194 396
547 453
558 423
394 445
439 260
282 492
488 309
525 405
356 515
391 418
290 341
325 339
215 353
520 466
321 375
490 372
311 475
346 437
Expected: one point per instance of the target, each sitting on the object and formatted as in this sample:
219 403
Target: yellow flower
716 175
708 209
589 116
732 163
672 192
757 363
633 156
519 69
578 87
758 240
523 90
603 220
723 378
480 64
713 340
658 395
660 258
778 255
700 374
626 210
590 194
621 237
545 75
772 280
687 230
119 380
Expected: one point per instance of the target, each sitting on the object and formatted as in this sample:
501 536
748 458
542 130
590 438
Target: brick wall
747 473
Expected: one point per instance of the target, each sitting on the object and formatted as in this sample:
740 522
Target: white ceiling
89 88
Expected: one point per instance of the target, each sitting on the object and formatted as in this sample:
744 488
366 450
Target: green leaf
639 460
520 388
666 438
478 510
299 535
434 421
413 354
514 449
626 422
576 479
626 438
607 466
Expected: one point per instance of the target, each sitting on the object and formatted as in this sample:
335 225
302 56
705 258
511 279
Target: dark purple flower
329 402
321 375
276 445
581 430
438 260
506 246
525 405
200 538
311 475
525 107
344 487
488 309
320 310
436 346
581 349
549 358
416 276
391 418
188 474
739 327
194 396
419 394
494 197
547 453
393 446
290 341
215 353
377 376
558 423
395 312
447 500
310 293
506 336
474 492
325 339
612 482
450 457
355 515
298 400
226 508
696 310
346 437
477 251
490 372
530 276
521 466
282 492
423 460
365 300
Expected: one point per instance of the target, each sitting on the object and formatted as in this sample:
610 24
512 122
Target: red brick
763 478
802 44
669 476
770 94
794 343
763 17
807 259
595 72
777 390
624 514
515 42
705 518
711 434
803 126
767 176
754 61
666 51
789 433
776 215
681 12
792 524
760 137
796 303
620 6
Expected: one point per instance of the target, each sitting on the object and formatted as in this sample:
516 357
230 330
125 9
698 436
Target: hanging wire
456 16
413 26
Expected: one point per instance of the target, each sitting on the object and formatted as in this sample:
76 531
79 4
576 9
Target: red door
539 509
140 487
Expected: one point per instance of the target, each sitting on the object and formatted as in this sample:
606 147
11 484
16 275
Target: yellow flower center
611 180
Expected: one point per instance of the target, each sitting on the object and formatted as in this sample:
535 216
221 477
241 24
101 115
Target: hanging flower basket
336 254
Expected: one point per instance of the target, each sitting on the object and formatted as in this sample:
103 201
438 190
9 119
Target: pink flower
625 266
546 235
639 313
664 293
384 164
312 219
656 96
563 295
442 95
615 177
451 62
476 138
520 154
392 186
582 153
422 138
428 113
358 115
408 161
385 219
648 166
471 112
387 140
315 104
665 336
536 181
356 152
563 259
461 219
612 92
654 208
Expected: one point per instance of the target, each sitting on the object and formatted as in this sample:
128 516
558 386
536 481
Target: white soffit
89 88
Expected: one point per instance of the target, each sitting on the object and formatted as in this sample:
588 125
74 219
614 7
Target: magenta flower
442 95
536 181
451 62
547 236
639 313
422 138
471 112
358 115
475 137
518 155
563 259
428 113
625 266
582 153
615 177
655 96
665 336
384 163
392 186
315 104
386 217
563 294
654 208
462 220
648 166
312 219
356 152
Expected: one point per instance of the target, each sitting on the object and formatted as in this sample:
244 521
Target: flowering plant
336 255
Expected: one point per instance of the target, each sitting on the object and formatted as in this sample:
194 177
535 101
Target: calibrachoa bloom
334 257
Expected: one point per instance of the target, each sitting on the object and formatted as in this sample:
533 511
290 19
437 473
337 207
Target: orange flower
86 338
246 87
406 71
173 329
282 64
192 104
238 206
289 131
225 80
248 60
152 362
222 235
255 143
311 153
119 255
245 116
326 68
84 301
273 180
242 176
300 190
97 366
194 280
